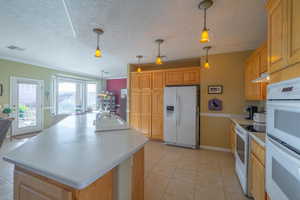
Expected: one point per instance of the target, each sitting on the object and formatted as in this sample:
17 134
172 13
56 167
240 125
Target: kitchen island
70 161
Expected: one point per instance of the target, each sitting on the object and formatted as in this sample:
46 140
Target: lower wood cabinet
257 171
258 179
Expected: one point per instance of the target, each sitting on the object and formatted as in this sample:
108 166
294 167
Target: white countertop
260 137
72 153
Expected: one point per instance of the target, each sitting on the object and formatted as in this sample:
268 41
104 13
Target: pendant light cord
205 19
159 49
207 55
97 40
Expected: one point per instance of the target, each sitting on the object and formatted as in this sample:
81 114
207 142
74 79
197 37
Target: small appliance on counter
259 117
251 110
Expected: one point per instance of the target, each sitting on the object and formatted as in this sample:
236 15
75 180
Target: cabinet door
27 187
158 80
157 114
146 81
146 105
248 89
135 109
276 35
293 33
258 179
263 59
174 78
191 76
134 81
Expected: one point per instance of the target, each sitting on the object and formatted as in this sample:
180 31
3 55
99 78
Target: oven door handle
292 155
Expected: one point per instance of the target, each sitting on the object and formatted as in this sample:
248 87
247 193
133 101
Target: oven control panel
285 90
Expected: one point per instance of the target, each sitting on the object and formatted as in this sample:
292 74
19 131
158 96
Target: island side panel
138 175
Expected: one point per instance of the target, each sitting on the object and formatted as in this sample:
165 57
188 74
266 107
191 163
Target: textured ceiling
131 26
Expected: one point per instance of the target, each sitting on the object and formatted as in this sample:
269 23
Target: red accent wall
115 86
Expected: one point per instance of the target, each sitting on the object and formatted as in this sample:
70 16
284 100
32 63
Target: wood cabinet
29 186
189 76
258 179
255 66
257 171
138 175
157 114
283 34
276 34
146 96
146 106
293 31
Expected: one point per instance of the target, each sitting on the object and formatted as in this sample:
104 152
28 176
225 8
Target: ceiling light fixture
206 63
139 57
204 5
98 52
159 60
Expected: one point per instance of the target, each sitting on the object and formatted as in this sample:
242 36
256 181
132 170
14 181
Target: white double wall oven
283 141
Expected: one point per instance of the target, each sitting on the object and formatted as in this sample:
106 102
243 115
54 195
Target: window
91 91
73 96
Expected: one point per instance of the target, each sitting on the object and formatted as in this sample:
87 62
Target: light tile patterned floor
174 173
171 173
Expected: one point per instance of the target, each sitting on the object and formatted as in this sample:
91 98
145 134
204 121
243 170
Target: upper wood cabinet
276 34
146 80
158 80
135 81
293 31
174 77
263 56
189 76
255 65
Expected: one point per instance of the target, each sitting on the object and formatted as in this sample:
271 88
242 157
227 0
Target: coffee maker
251 110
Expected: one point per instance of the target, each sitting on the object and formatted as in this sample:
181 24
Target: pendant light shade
204 5
204 36
98 52
159 60
206 63
139 69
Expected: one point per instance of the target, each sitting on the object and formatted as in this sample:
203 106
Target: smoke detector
13 47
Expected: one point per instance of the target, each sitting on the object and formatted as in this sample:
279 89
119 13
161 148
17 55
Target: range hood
264 77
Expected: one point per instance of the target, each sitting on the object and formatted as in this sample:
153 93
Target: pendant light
159 60
139 57
98 52
206 63
204 5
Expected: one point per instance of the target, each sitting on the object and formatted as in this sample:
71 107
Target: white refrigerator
181 116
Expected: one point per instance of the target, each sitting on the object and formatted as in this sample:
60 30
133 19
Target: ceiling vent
13 47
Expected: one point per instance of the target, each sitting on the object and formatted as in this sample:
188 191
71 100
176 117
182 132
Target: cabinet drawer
258 151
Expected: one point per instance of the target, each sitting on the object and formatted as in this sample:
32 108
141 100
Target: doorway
27 105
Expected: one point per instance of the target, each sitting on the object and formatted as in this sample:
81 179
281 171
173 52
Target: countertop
259 137
72 153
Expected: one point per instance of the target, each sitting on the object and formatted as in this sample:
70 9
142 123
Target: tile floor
171 173
174 173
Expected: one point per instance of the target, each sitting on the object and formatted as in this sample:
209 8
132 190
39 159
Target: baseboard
214 148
